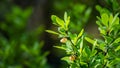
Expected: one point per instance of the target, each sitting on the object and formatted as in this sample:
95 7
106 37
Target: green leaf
97 65
23 47
69 47
93 53
90 40
61 30
66 59
108 39
98 23
57 21
80 34
83 63
102 30
118 48
52 32
102 45
53 18
67 22
113 62
87 14
110 19
65 16
60 22
105 19
117 40
73 65
98 8
115 19
7 51
81 45
94 45
86 52
73 37
60 47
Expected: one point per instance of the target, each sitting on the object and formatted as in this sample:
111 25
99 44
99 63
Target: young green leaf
77 37
67 22
117 40
94 45
86 52
93 42
60 22
65 16
73 37
114 19
60 47
102 30
118 48
93 53
110 19
108 39
57 21
89 40
53 18
81 45
99 8
80 34
52 32
105 19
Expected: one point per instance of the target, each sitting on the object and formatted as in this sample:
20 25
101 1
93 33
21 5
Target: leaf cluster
104 53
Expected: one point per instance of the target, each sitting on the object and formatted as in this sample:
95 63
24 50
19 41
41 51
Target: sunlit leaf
90 40
117 40
57 21
98 8
65 16
80 34
118 48
60 47
81 45
52 32
94 45
105 19
115 19
53 18
60 22
67 22
110 19
102 31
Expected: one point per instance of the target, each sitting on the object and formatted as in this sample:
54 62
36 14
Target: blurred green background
23 40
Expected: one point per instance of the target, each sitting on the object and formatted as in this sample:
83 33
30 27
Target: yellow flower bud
72 57
63 40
